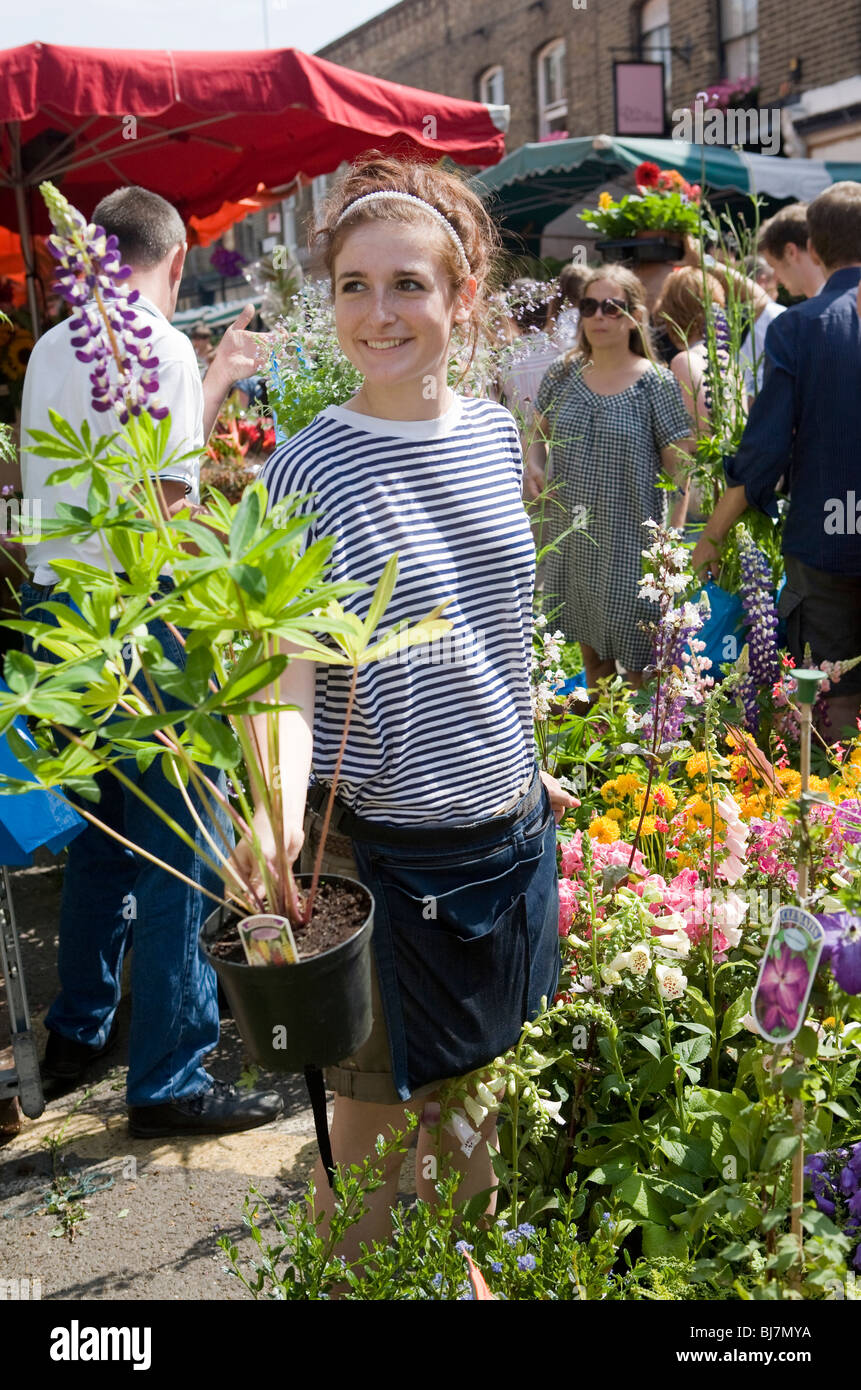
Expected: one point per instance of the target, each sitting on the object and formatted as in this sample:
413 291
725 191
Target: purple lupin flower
90 277
760 619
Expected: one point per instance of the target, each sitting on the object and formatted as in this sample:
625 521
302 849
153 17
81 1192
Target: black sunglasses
610 308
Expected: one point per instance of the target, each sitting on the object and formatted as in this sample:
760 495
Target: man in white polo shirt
112 899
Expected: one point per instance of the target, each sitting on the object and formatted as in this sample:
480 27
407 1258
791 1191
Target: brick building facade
551 62
807 58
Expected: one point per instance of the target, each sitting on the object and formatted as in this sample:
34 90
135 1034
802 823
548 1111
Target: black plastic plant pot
642 250
311 1014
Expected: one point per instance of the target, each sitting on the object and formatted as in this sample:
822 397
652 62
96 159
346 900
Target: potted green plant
242 589
651 225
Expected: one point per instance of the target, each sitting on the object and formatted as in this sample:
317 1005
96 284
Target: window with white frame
552 102
491 86
655 36
739 20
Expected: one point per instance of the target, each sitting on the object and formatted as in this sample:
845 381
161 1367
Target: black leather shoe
66 1060
223 1110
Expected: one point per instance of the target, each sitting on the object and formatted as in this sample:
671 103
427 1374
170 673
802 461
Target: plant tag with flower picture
787 973
268 940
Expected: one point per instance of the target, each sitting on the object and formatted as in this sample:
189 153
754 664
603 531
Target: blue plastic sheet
31 820
723 632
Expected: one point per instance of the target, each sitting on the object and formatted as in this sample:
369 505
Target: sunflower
15 355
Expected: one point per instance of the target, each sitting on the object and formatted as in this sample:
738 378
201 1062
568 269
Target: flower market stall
682 1120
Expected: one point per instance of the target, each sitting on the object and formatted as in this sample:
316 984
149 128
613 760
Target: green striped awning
536 183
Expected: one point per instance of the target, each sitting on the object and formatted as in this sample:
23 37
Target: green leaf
779 1148
248 679
660 1243
639 1196
692 1050
250 580
20 672
245 523
381 598
650 1044
807 1042
732 1019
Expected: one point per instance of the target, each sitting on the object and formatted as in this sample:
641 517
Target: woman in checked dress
619 434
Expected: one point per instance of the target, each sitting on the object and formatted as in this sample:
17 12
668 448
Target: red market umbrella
203 129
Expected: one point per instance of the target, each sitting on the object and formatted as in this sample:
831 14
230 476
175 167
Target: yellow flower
684 861
604 830
820 784
697 765
605 201
608 791
627 783
648 826
701 809
614 813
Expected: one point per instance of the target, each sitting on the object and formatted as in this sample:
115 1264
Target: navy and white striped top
441 732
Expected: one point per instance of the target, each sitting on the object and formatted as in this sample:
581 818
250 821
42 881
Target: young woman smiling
439 798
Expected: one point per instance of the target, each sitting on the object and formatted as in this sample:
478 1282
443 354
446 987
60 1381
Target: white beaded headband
420 202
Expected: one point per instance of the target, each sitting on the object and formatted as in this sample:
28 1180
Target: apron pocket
463 976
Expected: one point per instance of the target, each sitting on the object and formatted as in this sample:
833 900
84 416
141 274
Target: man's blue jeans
113 898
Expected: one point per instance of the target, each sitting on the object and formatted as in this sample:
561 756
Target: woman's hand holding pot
246 860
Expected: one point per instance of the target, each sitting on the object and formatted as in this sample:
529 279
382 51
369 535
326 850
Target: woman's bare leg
355 1127
438 1152
596 668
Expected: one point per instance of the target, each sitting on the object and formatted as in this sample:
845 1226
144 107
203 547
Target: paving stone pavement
157 1207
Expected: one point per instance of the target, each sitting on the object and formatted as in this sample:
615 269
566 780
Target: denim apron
465 932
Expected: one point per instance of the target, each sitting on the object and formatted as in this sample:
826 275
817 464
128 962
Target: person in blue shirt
805 428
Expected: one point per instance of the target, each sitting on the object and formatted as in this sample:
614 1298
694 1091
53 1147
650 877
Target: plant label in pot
316 1011
268 940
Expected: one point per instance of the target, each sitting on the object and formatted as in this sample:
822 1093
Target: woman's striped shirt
439 733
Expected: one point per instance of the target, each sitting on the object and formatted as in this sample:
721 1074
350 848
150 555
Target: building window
491 87
552 103
655 36
738 28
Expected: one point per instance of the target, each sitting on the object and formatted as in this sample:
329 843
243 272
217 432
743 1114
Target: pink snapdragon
567 905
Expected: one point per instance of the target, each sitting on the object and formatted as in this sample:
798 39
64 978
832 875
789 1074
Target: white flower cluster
666 564
547 674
